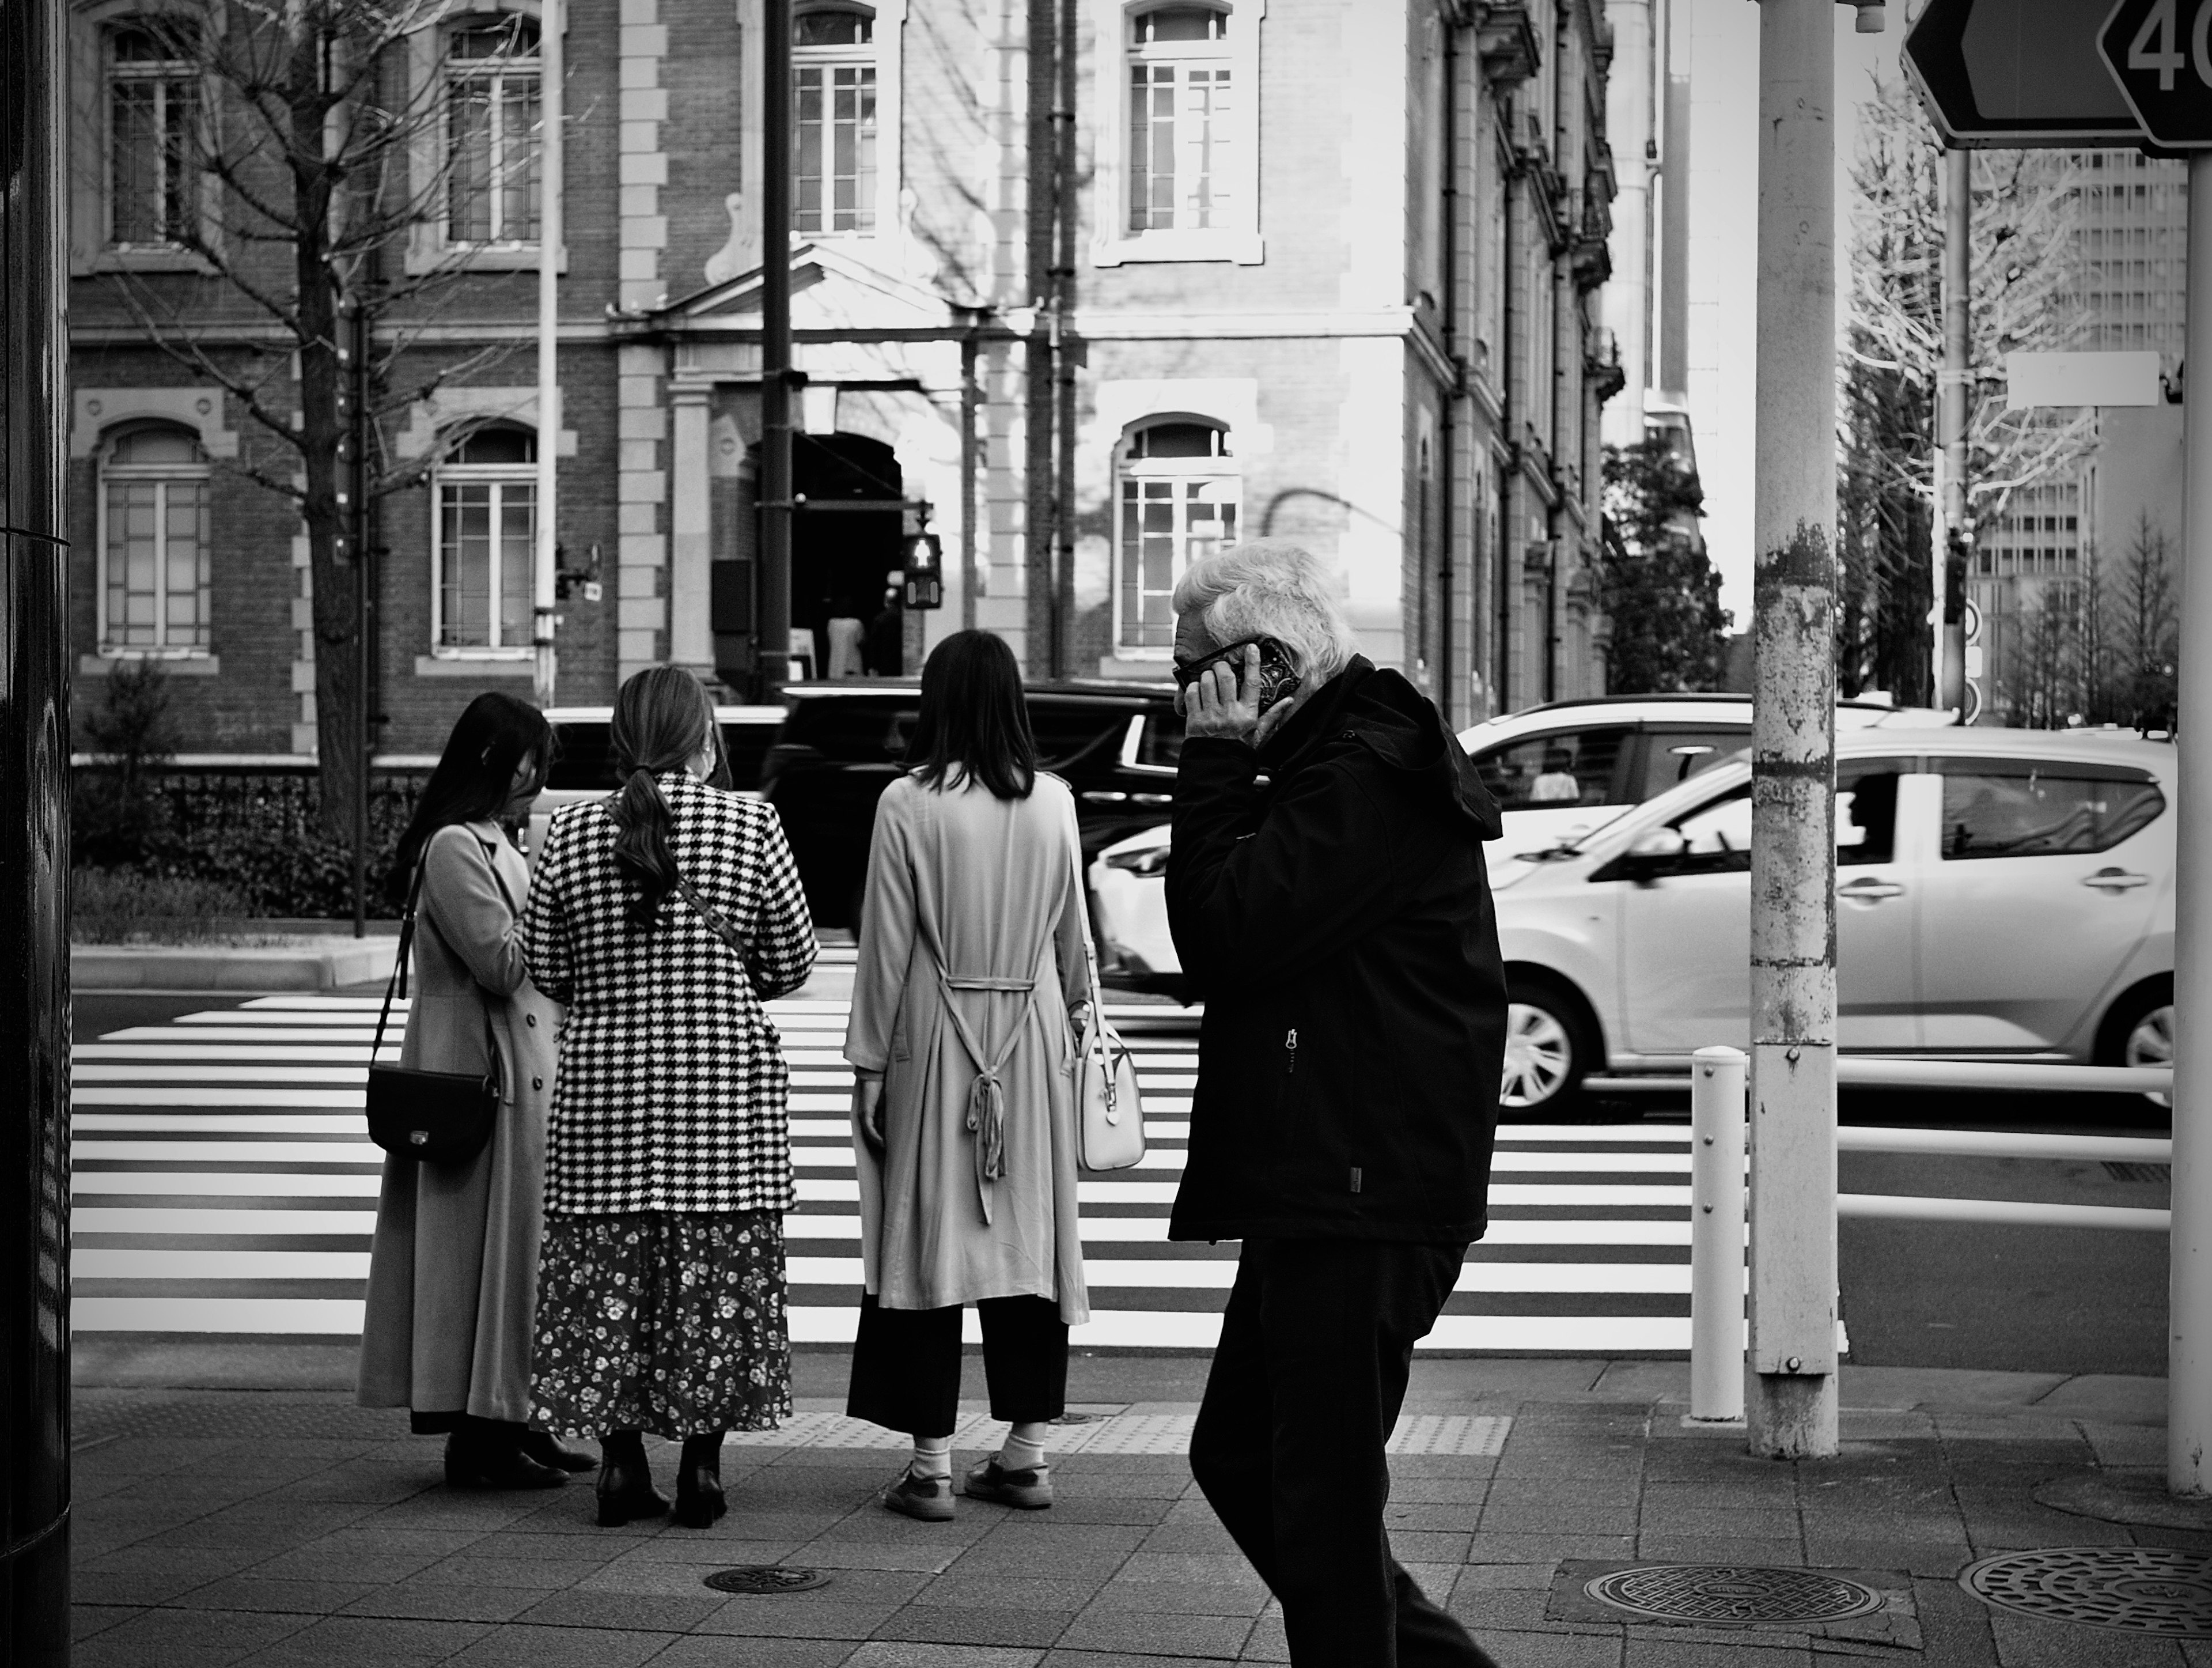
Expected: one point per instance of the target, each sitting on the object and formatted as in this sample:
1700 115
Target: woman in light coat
453 1276
972 968
668 1173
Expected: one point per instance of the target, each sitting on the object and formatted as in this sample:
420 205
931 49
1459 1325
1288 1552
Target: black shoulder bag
437 1117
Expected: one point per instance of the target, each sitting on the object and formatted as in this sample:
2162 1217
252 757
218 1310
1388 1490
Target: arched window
493 131
487 530
154 544
1178 494
833 105
153 101
1182 138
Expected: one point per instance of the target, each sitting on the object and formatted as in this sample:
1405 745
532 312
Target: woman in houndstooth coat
668 1161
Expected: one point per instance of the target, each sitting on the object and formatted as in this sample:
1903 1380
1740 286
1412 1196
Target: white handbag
1108 1112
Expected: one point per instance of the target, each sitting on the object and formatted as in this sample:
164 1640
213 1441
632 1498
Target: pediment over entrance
831 289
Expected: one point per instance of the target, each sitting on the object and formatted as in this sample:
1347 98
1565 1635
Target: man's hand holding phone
1226 699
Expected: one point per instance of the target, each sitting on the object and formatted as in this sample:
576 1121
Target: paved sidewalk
225 1525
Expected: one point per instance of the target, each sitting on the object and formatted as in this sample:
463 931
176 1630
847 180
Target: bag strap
398 980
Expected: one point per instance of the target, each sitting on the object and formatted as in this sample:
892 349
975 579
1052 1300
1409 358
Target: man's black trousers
1289 1447
906 1364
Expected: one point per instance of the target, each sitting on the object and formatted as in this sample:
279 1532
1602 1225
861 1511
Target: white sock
1024 1449
932 1457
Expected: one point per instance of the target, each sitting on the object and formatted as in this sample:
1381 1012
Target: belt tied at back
987 1096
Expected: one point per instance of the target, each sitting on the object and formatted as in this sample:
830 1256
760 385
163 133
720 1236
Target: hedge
257 833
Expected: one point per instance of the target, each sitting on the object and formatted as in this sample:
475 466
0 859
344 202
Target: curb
325 964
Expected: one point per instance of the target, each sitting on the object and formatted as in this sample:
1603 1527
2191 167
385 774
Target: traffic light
925 571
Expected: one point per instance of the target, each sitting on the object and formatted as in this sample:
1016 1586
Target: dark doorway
842 558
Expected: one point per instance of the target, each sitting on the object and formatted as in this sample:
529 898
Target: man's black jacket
1338 922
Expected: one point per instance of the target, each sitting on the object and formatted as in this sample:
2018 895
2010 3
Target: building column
641 485
690 533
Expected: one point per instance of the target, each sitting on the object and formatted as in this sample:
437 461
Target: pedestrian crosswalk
224 1183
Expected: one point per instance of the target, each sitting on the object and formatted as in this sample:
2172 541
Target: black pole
774 656
1041 574
364 736
34 846
1065 355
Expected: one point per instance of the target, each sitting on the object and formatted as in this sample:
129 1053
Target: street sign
2159 52
2020 74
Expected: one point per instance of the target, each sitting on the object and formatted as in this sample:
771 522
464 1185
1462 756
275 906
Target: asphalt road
1914 1295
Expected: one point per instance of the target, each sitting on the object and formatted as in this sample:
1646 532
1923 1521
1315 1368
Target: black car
842 743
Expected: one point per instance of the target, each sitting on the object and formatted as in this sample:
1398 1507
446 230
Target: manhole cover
1720 1594
767 1578
2143 1589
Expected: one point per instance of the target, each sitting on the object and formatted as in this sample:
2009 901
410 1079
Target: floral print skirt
670 1322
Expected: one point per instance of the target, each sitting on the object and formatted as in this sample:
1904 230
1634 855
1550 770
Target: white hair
1270 588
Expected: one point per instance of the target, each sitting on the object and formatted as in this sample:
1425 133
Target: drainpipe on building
546 671
772 659
1448 425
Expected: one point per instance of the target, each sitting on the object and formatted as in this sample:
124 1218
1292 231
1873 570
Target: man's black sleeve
1275 898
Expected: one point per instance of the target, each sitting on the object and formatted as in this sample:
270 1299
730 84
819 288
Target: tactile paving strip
2136 1589
1480 1437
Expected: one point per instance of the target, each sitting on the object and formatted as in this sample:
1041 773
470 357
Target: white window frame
1112 243
1225 469
828 60
498 476
492 74
891 233
92 248
163 476
430 246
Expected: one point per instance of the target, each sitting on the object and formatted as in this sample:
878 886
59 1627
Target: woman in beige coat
972 966
452 1279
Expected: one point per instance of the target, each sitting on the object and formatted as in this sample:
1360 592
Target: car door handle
1152 798
2115 879
1871 891
1105 796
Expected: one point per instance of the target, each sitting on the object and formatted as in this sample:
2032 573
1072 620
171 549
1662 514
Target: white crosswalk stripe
224 1184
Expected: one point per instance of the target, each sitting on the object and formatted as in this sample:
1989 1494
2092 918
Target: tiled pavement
284 1527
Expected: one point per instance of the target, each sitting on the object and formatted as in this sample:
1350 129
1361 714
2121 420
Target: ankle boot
699 1499
548 1449
626 1490
487 1453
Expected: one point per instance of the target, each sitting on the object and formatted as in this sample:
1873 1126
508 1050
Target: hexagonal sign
2159 52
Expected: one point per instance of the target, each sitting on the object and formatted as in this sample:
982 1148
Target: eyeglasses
1190 672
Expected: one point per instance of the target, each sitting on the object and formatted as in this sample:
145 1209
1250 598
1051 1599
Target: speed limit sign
2160 53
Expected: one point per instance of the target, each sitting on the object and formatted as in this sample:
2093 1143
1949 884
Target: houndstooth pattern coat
669 1094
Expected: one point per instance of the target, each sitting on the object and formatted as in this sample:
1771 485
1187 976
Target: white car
1559 772
1999 894
583 760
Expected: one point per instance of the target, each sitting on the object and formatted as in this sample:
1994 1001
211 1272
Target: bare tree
2022 267
2145 628
296 153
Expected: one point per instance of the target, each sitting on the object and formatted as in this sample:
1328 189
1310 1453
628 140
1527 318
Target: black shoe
626 1491
471 1463
548 1449
699 1500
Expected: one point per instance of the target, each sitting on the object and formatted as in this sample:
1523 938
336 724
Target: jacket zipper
1290 1047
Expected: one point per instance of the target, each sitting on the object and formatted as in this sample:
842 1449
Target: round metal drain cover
2142 1589
1742 1594
767 1578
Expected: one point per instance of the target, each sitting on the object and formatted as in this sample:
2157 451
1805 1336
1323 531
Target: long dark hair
475 776
663 717
973 725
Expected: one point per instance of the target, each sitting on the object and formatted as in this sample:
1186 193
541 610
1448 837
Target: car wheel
2139 1031
1547 1053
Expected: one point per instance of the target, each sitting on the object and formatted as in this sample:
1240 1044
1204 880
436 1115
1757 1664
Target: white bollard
1716 1233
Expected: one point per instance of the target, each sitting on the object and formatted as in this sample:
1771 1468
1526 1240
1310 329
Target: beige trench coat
453 1276
973 915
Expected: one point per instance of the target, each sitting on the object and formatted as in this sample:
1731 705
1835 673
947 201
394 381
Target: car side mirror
1657 851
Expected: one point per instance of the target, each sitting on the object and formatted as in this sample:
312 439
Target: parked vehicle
2000 894
1559 772
840 744
584 762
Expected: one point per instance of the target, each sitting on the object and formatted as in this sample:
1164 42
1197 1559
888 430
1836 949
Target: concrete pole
1717 1084
1951 412
550 234
773 659
1792 1404
2188 1345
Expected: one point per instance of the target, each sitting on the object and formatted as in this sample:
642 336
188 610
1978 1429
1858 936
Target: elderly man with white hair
1326 892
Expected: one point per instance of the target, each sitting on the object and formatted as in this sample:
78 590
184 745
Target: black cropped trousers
906 1364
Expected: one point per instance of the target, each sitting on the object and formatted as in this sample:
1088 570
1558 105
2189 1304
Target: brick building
1335 280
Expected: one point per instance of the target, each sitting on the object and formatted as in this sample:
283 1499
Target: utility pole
1951 406
1065 353
550 234
773 657
2189 1361
1791 1399
1039 470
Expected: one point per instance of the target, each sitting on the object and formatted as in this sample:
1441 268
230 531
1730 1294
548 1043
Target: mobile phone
1277 681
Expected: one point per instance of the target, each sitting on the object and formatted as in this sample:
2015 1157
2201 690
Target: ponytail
662 717
641 850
